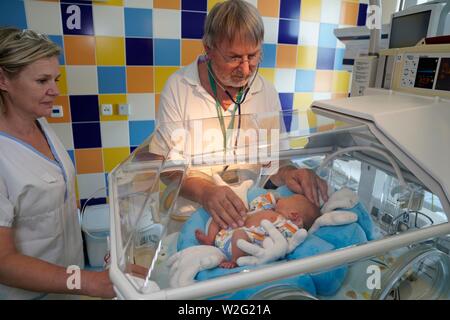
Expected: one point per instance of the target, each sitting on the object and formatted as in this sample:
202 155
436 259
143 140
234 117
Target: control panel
426 72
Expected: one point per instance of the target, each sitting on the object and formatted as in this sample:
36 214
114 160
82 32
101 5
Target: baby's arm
208 239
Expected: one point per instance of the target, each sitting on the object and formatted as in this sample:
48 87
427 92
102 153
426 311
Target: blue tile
269 56
327 39
288 31
111 80
192 24
93 201
139 52
106 184
84 108
290 9
140 130
86 135
12 14
167 52
132 148
77 19
339 58
72 156
59 41
138 22
194 5
305 80
325 58
287 100
362 14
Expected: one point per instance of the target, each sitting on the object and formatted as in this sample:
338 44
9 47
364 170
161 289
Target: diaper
265 201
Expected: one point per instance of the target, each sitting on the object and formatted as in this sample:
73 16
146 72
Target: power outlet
125 109
57 112
107 109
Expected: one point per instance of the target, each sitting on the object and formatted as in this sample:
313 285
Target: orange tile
79 50
269 8
286 56
166 4
324 81
89 160
190 49
349 13
64 102
139 79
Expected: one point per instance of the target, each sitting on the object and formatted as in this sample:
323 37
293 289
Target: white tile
115 134
64 133
82 80
321 95
253 2
270 29
166 24
44 17
145 4
331 11
108 21
89 184
142 106
285 80
309 33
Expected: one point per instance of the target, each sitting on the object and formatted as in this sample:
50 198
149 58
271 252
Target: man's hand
274 247
306 182
224 206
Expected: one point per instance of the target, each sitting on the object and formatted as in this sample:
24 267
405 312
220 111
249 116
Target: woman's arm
28 273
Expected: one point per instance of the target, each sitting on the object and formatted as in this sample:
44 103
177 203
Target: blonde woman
40 234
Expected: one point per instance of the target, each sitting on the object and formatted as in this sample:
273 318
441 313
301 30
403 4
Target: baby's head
299 210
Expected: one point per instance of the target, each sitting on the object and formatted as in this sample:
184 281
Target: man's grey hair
233 19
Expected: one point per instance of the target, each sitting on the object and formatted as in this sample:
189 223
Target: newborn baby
287 214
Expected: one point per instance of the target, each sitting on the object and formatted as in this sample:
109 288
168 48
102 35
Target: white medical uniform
37 199
184 101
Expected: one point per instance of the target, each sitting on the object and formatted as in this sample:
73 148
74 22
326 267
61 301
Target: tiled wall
123 51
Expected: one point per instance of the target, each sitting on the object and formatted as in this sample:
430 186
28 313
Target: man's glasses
236 61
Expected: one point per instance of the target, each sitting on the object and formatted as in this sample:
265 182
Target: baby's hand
296 239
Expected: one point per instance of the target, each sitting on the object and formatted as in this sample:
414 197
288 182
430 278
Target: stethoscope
240 98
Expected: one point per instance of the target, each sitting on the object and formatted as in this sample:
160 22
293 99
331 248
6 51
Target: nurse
40 234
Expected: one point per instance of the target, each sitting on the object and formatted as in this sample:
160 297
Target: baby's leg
207 239
236 253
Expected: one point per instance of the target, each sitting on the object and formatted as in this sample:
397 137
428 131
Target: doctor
40 233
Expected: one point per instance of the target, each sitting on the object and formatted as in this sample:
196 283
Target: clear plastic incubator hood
389 149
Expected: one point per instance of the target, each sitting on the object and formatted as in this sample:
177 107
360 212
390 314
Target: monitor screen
407 30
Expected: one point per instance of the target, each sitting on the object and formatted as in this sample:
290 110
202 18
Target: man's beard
236 80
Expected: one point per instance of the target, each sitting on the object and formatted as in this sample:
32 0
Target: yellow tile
312 119
268 73
115 100
310 10
211 3
298 143
341 81
110 51
109 2
307 57
302 101
161 76
113 156
62 83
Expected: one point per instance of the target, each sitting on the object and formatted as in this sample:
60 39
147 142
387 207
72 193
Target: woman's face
234 64
34 89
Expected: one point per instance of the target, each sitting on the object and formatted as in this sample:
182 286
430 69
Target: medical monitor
411 25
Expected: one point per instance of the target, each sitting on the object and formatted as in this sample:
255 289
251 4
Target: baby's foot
203 238
228 264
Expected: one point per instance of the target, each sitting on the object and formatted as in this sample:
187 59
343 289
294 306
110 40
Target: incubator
388 148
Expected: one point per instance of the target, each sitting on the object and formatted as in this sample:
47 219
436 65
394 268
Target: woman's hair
233 19
20 48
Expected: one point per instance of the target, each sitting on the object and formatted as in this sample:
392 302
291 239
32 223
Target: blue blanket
324 240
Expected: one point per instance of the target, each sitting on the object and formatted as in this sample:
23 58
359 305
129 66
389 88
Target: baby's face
298 209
